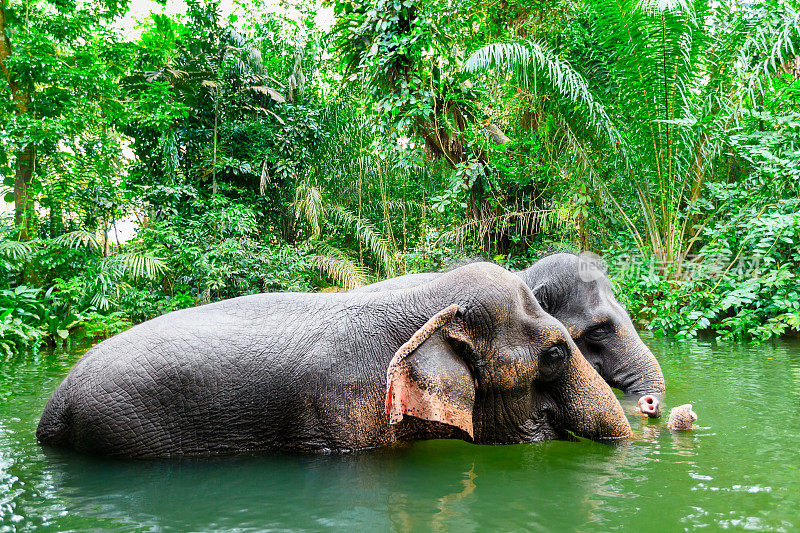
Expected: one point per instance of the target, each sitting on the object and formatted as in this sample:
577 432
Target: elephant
469 355
586 305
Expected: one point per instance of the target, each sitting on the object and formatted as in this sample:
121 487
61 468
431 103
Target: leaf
308 204
272 93
338 266
79 238
368 234
534 58
141 264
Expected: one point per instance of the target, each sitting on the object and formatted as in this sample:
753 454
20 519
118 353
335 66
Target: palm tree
678 76
333 261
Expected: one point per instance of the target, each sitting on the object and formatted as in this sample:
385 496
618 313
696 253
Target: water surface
739 470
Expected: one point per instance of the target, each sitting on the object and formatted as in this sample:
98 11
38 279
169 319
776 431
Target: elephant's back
196 381
228 332
205 380
405 281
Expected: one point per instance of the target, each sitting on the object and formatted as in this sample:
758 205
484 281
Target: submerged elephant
586 305
469 355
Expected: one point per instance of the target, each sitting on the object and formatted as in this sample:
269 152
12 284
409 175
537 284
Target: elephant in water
469 355
576 291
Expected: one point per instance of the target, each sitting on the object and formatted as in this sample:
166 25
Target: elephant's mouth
548 423
543 426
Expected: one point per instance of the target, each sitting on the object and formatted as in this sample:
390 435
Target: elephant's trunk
637 371
588 407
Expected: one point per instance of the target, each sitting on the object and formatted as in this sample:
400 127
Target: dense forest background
259 152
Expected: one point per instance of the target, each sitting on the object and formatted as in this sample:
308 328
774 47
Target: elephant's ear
540 293
428 379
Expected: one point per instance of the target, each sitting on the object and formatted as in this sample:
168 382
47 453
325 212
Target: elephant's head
576 291
497 366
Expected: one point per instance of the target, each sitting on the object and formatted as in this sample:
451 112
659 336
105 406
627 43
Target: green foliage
211 157
19 308
13 253
743 284
98 325
28 316
340 267
534 63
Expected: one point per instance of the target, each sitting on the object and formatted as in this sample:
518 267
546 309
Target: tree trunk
23 201
439 143
5 43
476 199
583 232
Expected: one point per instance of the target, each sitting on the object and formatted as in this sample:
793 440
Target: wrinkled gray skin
597 323
293 371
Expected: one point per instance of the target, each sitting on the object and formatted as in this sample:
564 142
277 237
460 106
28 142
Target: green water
740 469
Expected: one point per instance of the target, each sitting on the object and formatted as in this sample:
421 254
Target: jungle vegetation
264 151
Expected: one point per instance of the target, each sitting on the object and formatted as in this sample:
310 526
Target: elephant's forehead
583 297
585 318
550 333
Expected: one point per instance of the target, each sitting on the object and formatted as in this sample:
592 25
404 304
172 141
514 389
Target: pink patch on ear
389 402
405 397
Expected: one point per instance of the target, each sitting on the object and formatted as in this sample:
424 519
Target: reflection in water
449 505
738 469
437 485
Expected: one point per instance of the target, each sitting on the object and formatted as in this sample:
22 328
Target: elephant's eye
552 360
598 333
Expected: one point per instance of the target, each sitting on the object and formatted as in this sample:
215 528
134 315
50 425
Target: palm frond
339 267
264 177
368 235
526 222
768 40
141 264
308 204
15 251
533 59
269 91
400 206
665 6
80 238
